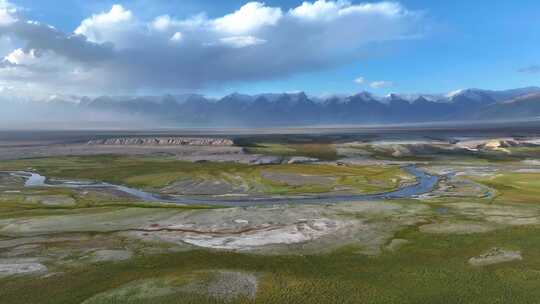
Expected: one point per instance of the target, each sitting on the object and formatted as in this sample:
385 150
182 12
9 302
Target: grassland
155 173
515 187
441 275
440 233
524 152
322 151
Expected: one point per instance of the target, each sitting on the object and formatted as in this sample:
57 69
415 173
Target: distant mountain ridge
289 109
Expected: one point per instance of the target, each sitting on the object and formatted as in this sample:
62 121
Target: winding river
425 183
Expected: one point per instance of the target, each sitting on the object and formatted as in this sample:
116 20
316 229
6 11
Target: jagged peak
364 95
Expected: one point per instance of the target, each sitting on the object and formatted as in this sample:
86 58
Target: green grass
362 178
525 152
28 199
430 269
515 187
153 173
322 151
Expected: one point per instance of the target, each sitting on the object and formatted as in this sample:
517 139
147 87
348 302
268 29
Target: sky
219 47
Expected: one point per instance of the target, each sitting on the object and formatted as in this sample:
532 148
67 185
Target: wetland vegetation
470 240
163 174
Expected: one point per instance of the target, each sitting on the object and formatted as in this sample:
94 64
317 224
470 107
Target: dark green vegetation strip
315 145
441 275
313 150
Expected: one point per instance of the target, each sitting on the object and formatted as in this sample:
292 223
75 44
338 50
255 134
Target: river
424 184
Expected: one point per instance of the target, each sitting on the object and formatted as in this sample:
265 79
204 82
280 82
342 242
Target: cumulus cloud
249 18
381 84
531 69
116 25
331 10
20 57
115 50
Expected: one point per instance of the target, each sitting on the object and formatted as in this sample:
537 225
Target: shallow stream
424 184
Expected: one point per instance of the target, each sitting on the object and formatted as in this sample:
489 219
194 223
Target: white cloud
388 9
8 13
162 23
6 18
28 70
18 56
381 84
359 80
33 60
249 18
115 51
323 10
242 41
103 27
6 4
320 9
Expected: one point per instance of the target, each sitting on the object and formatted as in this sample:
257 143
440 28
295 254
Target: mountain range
285 109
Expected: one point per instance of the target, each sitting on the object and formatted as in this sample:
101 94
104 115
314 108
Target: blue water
424 184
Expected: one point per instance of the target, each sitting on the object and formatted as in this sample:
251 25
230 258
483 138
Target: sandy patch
128 218
495 256
508 215
254 228
296 233
286 228
457 228
9 267
514 221
301 160
379 208
110 256
23 250
533 162
51 200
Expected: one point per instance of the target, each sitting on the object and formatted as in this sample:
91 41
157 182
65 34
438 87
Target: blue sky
460 44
